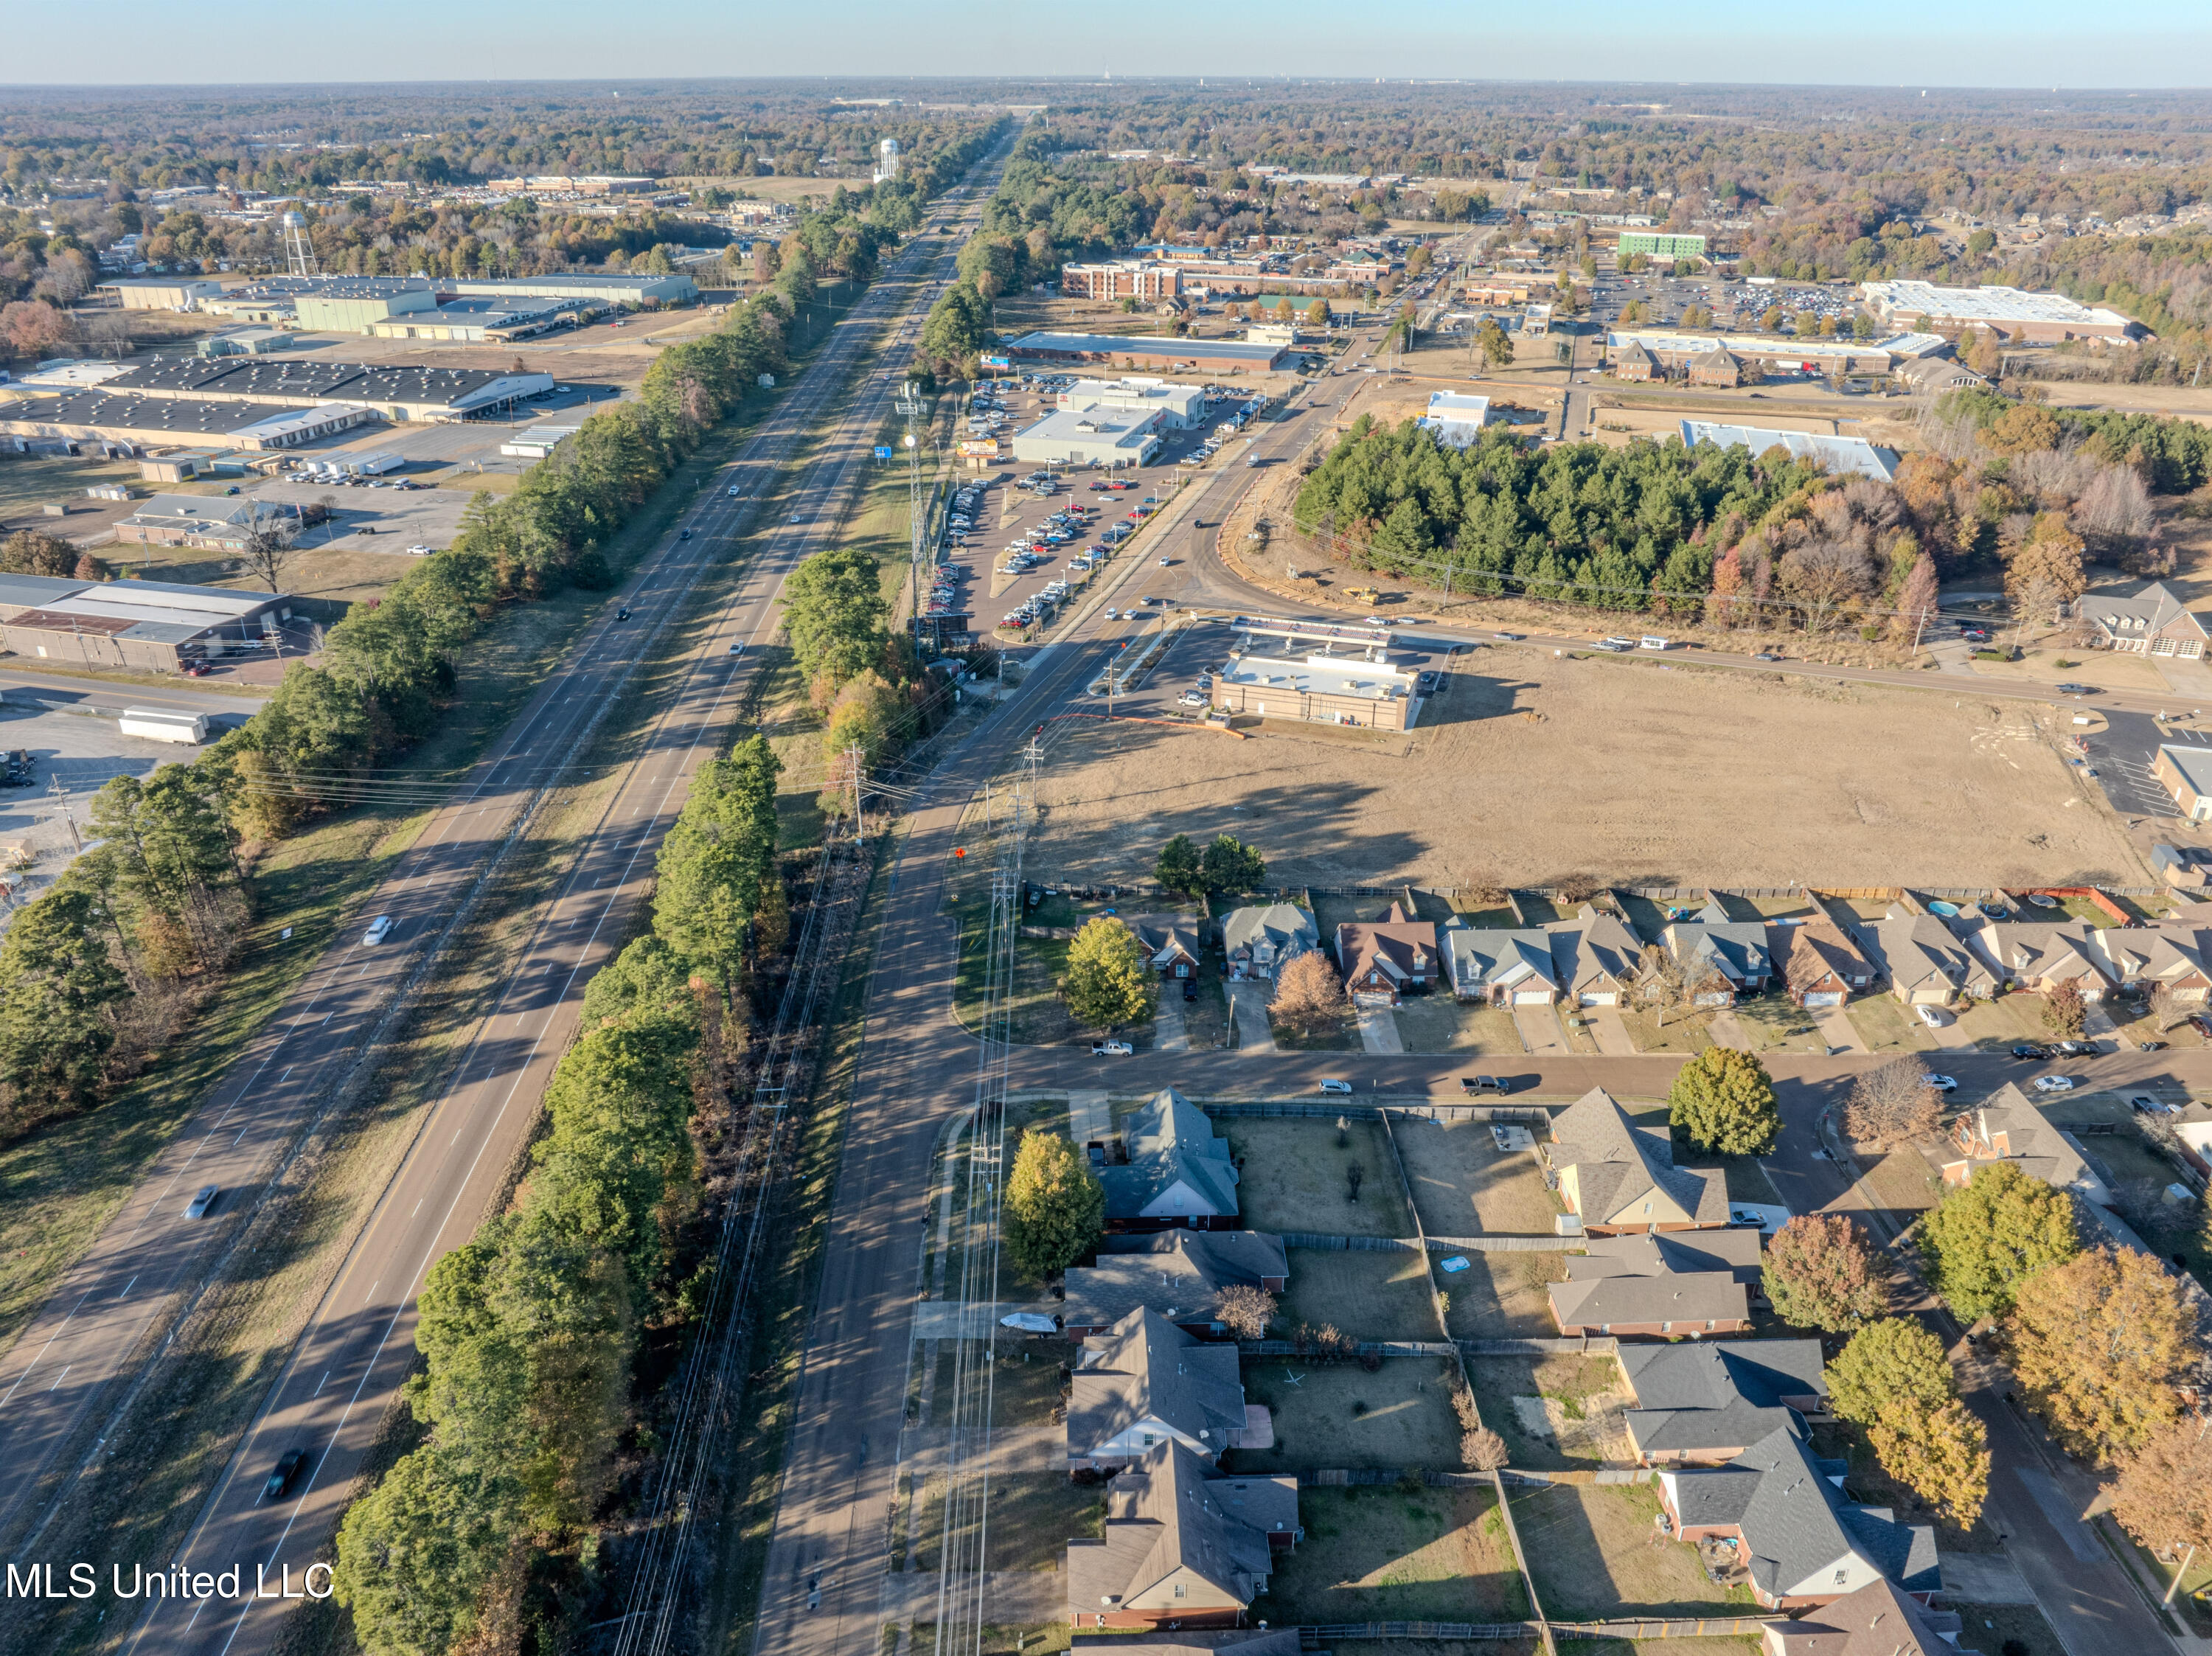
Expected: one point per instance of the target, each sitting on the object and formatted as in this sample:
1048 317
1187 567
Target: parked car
280 1480
1618 645
2029 1049
2144 1104
202 1202
1931 1016
1189 990
1336 1086
2054 1083
2150 1046
1941 1083
2077 1049
1484 1084
1123 1049
1192 699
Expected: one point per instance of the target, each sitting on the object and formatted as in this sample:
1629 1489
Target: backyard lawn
1296 1179
1465 1187
1369 1296
1340 1415
1596 1554
1502 1296
1033 1516
1577 1385
1395 1555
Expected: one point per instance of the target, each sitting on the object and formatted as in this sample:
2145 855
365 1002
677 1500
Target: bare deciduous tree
269 545
1482 1450
1892 1105
1308 993
1246 1311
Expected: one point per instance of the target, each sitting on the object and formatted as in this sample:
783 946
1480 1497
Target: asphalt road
69 1378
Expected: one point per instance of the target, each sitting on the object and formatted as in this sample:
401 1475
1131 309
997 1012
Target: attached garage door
1832 998
1930 996
1370 999
1602 1000
1532 997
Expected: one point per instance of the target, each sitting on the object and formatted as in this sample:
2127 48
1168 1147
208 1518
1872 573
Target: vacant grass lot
1464 1187
1391 1555
1369 1296
1295 1178
1339 1414
1595 1554
1438 1023
1502 1296
1031 1518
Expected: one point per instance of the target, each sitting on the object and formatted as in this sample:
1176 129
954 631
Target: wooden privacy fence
1710 1627
1436 1244
1519 1115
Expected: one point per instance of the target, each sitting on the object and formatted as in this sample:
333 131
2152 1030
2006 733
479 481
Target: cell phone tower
299 252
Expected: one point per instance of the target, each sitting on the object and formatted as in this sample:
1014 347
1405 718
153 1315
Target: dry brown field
1544 767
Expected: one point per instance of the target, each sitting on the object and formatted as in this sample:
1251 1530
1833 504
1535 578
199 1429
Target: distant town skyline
2159 44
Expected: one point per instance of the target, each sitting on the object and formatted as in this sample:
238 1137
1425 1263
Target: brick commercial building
140 625
1367 690
1147 351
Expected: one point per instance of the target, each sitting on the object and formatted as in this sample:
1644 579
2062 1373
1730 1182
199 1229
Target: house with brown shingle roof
1877 1620
1817 964
1618 1175
1388 959
1184 1544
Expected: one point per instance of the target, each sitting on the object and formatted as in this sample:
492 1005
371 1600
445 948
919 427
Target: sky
1962 43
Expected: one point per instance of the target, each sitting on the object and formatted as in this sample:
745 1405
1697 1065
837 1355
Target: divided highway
67 1383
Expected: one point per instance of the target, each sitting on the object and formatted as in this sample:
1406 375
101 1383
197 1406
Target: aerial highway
68 1382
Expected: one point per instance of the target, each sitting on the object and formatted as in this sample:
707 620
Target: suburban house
1818 965
2040 955
1179 1274
1597 958
2178 957
1877 1620
2153 622
1184 1544
1631 361
1145 1382
1723 958
2009 1128
1926 966
1658 1288
1384 961
1618 1176
1702 1405
1502 968
1170 944
1801 1542
1178 1171
1720 366
1260 940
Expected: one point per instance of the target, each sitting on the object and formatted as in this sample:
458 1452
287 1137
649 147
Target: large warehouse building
2023 318
142 625
1845 456
405 394
131 421
1148 351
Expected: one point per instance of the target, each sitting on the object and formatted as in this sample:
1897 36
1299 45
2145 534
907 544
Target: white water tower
889 169
299 252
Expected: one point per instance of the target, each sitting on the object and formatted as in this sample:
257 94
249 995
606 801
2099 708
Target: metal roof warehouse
140 422
405 394
145 625
1148 351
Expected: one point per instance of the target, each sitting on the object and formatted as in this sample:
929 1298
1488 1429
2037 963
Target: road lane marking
64 1376
127 1287
321 1383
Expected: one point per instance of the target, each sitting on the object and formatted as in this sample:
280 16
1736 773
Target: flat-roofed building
633 289
141 625
1121 278
1181 407
1456 420
1661 244
2025 318
1083 437
1845 456
351 304
407 394
219 523
483 321
1147 351
539 441
1367 690
161 293
131 421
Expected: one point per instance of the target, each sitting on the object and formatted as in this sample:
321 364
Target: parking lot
2121 754
1035 537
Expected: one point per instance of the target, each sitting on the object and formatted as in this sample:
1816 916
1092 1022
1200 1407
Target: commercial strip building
131 421
579 184
1846 456
2023 318
1089 437
149 626
1181 407
1147 351
1667 350
1366 689
370 305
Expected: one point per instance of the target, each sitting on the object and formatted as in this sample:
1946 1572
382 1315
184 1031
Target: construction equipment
1366 594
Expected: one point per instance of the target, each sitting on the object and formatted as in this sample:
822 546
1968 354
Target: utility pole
56 790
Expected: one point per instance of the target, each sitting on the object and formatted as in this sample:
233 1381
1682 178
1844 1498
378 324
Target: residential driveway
1378 1030
1728 1031
1254 1033
1836 1030
1950 1037
1169 1033
1611 1031
1539 1029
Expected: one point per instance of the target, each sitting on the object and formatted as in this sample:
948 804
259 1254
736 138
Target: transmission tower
298 250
